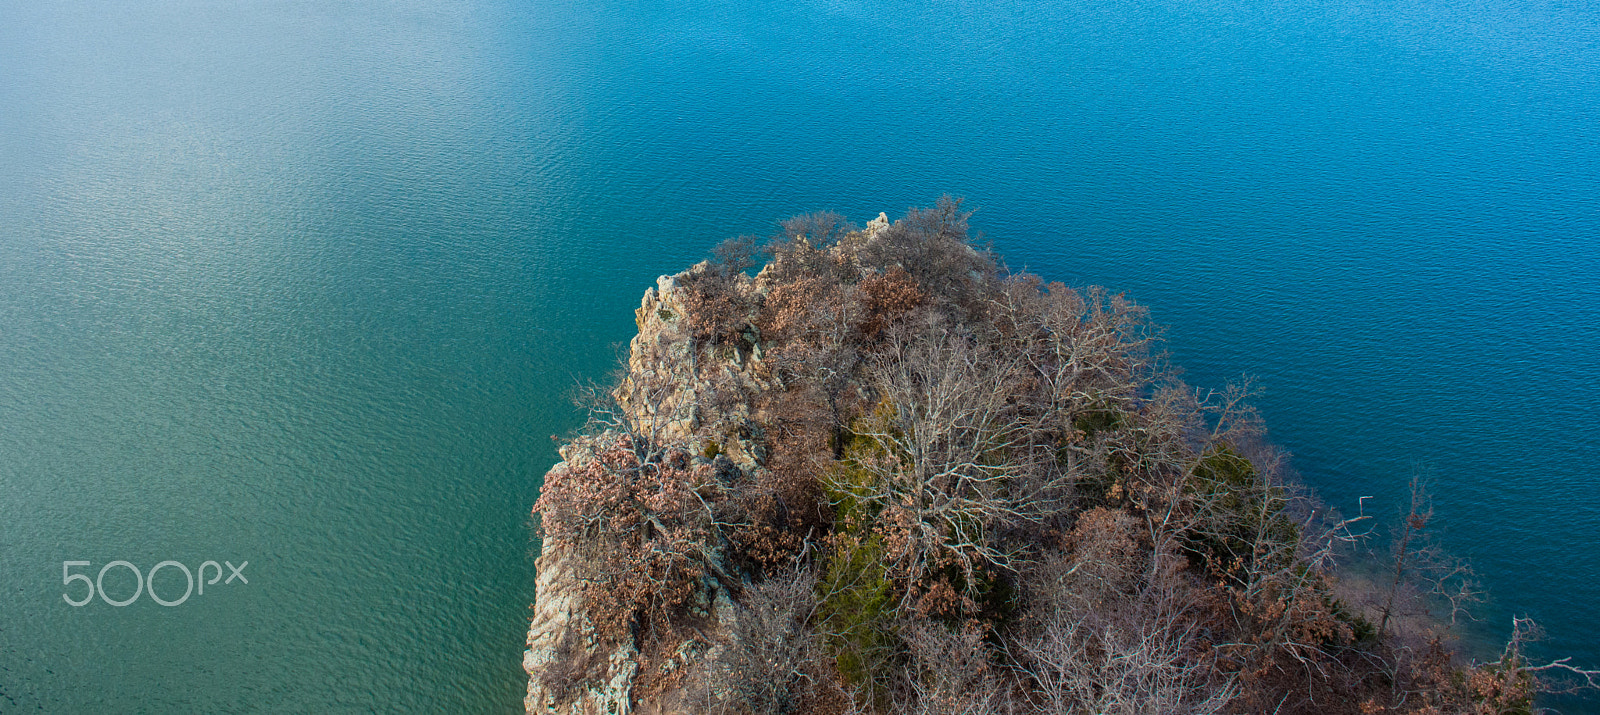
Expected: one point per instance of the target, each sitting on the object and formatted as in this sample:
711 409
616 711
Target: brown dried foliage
772 662
718 311
638 516
887 297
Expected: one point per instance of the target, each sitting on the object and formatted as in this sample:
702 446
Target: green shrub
1234 497
856 608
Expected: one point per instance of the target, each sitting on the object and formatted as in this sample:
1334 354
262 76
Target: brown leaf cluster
641 524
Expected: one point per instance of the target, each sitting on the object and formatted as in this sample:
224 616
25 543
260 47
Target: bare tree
814 322
650 400
803 247
1556 677
1123 652
949 458
1424 573
951 672
770 662
1091 351
735 255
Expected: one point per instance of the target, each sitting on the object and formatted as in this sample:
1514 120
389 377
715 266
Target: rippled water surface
304 284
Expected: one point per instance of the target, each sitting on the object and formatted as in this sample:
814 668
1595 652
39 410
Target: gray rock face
669 376
558 611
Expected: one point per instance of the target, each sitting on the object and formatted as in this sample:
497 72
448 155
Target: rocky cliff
670 378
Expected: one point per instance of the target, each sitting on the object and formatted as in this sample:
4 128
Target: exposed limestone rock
558 613
878 224
669 375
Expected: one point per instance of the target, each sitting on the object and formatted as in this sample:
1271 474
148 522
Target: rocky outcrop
669 381
557 615
699 395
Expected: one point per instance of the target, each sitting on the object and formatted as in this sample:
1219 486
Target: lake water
305 284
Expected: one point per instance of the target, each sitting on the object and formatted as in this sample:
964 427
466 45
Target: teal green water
305 284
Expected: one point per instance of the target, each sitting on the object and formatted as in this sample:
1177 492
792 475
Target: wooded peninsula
888 475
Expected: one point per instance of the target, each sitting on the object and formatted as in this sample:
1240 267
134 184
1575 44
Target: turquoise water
305 284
